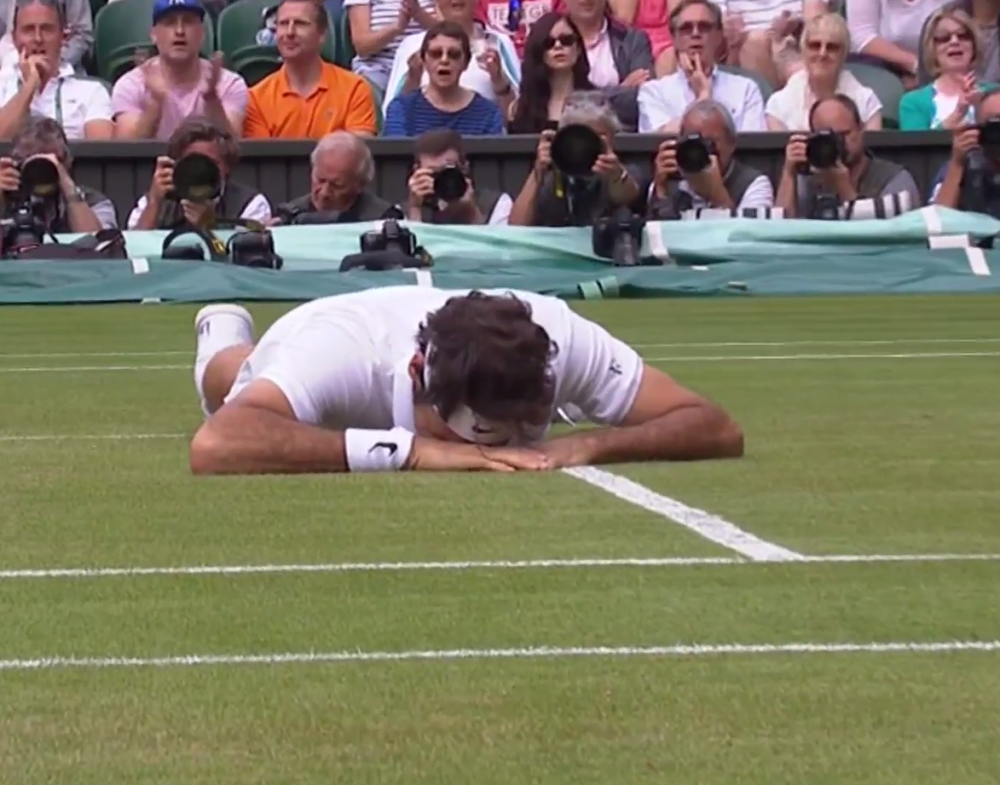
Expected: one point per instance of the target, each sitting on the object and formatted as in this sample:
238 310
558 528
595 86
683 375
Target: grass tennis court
514 629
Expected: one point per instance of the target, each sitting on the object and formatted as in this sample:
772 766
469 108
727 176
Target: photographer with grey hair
74 209
698 169
577 176
341 175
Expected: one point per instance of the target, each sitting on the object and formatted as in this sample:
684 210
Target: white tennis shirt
342 361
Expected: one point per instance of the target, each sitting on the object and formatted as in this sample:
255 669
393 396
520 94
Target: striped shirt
412 114
384 13
758 14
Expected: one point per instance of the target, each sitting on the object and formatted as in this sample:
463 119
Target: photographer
698 170
341 173
830 170
577 176
160 208
441 187
969 179
72 208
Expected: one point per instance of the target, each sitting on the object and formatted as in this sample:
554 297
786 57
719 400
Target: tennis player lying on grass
418 378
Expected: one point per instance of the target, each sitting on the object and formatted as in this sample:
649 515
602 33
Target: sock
216 332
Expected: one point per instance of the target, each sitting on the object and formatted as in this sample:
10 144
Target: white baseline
463 566
535 652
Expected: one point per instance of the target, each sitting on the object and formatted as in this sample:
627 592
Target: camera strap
216 247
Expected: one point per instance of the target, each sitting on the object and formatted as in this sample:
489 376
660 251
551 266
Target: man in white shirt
696 26
700 170
421 378
39 84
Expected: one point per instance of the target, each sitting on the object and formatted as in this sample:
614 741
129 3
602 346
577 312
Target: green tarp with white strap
701 258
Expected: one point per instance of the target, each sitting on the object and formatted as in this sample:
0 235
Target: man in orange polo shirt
307 98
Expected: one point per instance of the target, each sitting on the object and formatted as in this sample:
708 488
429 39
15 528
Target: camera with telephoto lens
39 190
825 149
197 178
981 182
694 153
450 184
575 149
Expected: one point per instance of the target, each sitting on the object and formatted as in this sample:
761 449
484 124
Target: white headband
469 425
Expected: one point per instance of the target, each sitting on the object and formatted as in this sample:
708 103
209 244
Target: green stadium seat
122 28
766 88
887 86
344 46
378 96
238 26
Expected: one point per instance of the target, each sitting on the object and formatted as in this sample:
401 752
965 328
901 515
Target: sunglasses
437 53
833 47
563 39
962 36
689 28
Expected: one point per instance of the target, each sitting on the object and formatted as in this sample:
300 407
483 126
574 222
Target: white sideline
672 359
535 652
461 566
711 527
62 437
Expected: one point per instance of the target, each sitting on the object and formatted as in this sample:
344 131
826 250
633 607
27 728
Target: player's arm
647 415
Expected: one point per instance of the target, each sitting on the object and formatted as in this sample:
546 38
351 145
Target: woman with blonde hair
825 44
951 50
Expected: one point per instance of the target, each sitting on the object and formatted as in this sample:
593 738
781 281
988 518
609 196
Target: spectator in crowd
857 174
494 70
985 15
887 33
76 208
968 180
440 151
307 98
78 31
38 84
161 209
377 29
620 57
951 50
341 176
443 103
650 17
552 198
495 15
150 101
724 184
763 35
555 65
696 26
825 42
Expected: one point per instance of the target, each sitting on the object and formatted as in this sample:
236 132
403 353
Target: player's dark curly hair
486 352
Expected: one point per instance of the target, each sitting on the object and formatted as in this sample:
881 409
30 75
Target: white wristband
377 451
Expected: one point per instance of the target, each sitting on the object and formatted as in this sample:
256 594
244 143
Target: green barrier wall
723 257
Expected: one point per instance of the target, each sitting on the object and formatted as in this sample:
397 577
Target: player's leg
225 337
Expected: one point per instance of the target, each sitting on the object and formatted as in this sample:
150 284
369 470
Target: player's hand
163 178
434 455
566 451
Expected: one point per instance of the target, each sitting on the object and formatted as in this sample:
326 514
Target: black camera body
825 149
393 248
619 237
392 237
450 184
694 153
254 249
39 191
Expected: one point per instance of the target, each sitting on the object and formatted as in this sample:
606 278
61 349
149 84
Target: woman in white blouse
888 31
825 44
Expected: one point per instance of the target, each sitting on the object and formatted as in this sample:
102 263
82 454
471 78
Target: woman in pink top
650 16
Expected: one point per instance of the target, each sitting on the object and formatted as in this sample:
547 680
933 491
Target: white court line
705 524
43 355
463 566
763 344
63 437
535 652
673 359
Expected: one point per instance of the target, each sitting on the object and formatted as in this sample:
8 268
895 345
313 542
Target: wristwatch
77 196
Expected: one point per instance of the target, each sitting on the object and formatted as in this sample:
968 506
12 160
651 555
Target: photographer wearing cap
161 209
442 190
698 170
577 176
341 175
829 173
67 207
970 180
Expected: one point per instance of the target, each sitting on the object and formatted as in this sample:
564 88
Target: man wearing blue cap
152 100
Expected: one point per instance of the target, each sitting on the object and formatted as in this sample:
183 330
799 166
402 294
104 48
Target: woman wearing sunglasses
951 51
555 65
825 44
